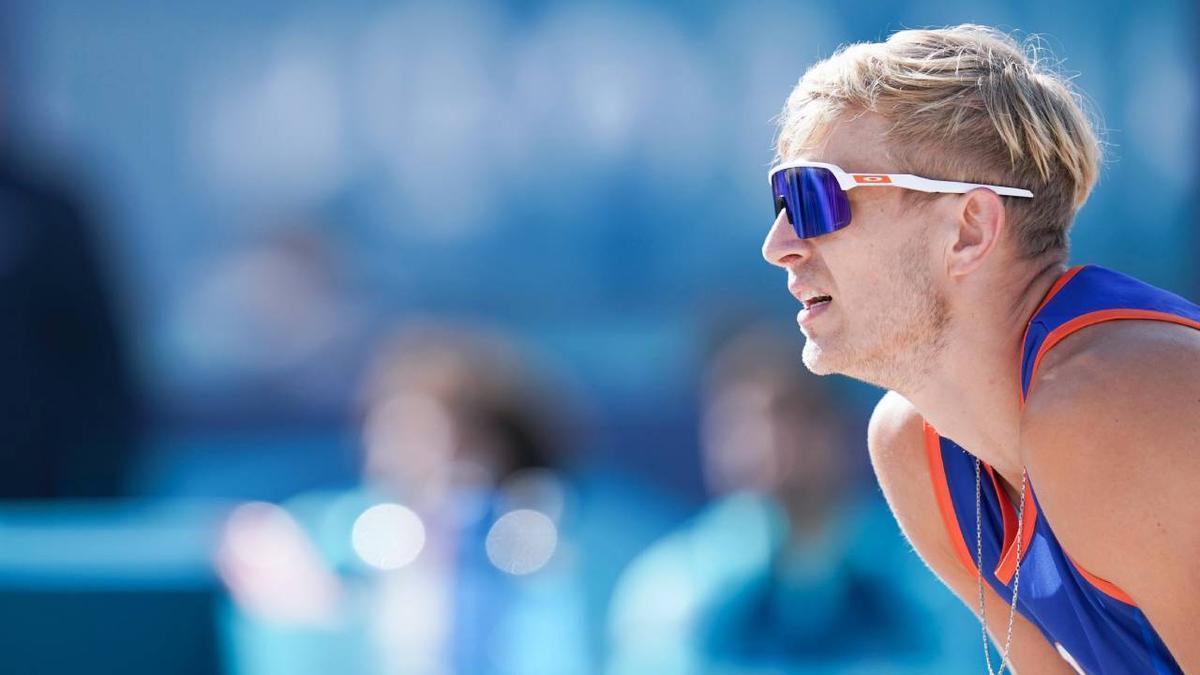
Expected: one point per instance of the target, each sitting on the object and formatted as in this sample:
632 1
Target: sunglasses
814 193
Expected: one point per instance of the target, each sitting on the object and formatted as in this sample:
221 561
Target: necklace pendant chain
1012 610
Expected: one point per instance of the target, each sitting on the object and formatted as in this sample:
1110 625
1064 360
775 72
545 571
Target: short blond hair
966 103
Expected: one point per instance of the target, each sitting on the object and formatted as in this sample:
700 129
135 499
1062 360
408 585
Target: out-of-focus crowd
479 536
479 542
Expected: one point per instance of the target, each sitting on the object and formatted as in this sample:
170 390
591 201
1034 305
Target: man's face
885 322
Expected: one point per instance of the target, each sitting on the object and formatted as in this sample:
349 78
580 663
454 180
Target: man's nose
782 247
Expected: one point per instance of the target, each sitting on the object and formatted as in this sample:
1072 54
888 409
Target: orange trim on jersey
1108 588
933 452
1007 566
1091 318
1054 289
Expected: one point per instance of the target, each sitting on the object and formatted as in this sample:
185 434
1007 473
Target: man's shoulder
1109 435
896 432
1114 367
1112 395
1147 329
896 440
896 443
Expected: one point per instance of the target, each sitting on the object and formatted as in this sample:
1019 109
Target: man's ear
979 224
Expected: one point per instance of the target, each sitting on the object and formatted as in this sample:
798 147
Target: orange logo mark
866 178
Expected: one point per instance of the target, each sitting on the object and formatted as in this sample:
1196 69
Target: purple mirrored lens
815 203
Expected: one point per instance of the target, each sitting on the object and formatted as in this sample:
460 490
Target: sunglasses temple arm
930 185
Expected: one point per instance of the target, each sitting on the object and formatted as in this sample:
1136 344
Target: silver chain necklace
1012 610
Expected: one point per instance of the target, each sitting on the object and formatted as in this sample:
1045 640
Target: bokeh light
522 541
388 536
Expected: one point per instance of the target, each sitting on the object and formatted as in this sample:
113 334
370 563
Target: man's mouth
815 304
809 303
811 297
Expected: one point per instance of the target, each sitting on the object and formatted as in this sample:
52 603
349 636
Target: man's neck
972 395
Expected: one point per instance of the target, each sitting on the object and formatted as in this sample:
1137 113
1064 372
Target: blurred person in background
781 572
70 420
449 558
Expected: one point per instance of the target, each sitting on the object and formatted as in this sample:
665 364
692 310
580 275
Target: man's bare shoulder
1112 394
1113 405
895 434
1110 438
1155 352
896 442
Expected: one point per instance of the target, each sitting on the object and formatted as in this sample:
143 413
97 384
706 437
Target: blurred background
369 337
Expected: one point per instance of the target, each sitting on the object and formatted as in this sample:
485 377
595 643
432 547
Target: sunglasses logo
866 178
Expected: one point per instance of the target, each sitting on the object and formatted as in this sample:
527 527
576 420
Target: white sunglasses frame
849 181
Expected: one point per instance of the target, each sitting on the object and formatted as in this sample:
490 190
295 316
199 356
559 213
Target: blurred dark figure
795 566
451 557
69 413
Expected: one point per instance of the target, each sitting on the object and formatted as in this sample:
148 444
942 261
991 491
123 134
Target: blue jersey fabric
1093 624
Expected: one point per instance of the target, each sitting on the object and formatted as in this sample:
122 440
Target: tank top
1093 624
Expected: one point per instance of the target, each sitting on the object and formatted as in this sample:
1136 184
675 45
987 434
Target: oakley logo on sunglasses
867 178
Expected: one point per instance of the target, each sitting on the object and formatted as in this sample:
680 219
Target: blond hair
966 103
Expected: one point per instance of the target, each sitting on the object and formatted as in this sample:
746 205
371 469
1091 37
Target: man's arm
1111 437
896 441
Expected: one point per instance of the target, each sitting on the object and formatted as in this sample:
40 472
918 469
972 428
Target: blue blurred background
229 225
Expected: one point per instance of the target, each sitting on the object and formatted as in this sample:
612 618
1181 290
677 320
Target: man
924 190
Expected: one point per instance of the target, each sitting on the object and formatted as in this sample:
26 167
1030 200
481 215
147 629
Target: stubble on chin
815 359
821 361
902 352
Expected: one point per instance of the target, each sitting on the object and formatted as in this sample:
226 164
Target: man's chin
817 360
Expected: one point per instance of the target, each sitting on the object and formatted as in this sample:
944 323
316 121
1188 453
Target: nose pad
781 205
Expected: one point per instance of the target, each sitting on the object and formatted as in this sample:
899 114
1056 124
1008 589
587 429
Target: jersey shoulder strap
1086 295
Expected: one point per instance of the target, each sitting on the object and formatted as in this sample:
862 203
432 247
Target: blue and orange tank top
1093 624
